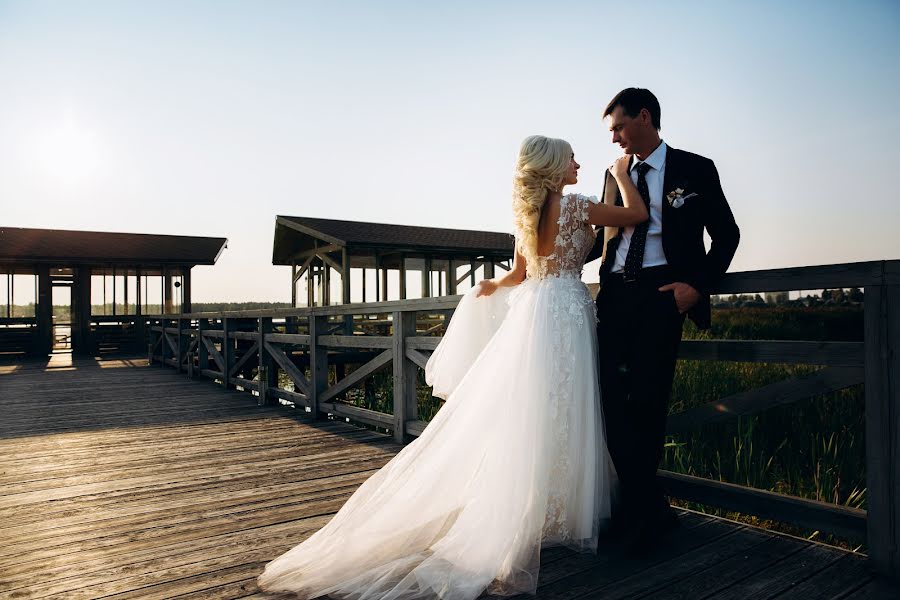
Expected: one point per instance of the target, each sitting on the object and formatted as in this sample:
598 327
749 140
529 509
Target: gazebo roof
21 245
296 234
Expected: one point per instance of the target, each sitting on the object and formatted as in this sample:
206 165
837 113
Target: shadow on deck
128 482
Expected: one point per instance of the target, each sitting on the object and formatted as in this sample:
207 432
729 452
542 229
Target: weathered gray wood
243 335
422 343
882 335
357 376
802 278
415 427
247 384
359 308
202 349
288 338
182 341
357 413
330 262
404 325
417 357
250 353
719 574
210 374
840 520
228 326
356 341
189 499
268 376
295 397
293 372
835 581
844 354
318 363
751 402
213 352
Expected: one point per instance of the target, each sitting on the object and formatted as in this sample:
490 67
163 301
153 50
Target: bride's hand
486 287
619 169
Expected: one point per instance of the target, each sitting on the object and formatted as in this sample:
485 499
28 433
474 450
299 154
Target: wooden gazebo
100 282
386 262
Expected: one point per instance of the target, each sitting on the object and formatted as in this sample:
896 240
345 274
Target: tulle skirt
514 461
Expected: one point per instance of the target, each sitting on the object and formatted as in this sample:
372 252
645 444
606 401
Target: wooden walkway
123 481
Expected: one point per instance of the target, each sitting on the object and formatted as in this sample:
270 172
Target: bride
515 460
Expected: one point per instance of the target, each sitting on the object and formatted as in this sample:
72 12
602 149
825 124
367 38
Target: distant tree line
828 297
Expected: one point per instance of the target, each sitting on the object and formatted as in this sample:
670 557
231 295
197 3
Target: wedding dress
515 460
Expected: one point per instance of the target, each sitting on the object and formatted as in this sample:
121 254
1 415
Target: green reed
814 448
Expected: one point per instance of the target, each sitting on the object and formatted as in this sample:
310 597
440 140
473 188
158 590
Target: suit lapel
672 175
670 178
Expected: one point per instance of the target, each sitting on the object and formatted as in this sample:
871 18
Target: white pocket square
677 200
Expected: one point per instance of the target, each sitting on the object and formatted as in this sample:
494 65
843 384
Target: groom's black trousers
638 333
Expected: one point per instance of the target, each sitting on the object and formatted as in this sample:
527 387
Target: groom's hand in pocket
685 295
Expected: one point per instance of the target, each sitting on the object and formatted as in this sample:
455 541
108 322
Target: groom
651 277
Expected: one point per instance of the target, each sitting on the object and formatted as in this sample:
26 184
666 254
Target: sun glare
68 152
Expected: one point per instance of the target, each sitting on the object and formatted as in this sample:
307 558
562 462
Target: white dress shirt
653 248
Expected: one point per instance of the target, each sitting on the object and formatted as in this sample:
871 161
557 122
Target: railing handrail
847 275
873 362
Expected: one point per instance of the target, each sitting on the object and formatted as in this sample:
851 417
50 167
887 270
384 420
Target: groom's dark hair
632 100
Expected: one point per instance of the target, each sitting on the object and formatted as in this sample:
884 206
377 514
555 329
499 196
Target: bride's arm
632 213
514 277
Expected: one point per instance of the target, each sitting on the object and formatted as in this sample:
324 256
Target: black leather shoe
666 521
638 540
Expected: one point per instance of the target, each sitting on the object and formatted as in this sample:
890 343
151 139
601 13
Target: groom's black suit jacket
682 228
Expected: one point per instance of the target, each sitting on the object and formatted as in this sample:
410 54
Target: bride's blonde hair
540 169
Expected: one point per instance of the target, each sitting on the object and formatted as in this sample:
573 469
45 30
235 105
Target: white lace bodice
573 242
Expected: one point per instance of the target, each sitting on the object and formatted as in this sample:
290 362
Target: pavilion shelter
338 262
87 291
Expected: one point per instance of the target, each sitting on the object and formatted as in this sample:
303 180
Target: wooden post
426 277
268 374
405 403
202 352
882 395
310 283
384 281
179 343
345 289
167 292
294 283
363 287
227 350
163 344
489 268
186 290
44 313
318 361
140 323
326 287
451 277
402 276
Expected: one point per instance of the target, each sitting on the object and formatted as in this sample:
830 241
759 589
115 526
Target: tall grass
814 448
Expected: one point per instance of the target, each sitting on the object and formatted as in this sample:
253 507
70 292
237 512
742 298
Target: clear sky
209 118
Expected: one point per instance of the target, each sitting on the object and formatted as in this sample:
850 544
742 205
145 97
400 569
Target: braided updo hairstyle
540 169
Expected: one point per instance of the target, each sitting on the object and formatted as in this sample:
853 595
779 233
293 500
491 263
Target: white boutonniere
676 197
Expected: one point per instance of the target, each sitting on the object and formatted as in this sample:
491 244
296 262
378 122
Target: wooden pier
120 480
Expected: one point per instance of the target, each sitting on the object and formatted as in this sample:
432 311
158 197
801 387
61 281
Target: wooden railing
230 346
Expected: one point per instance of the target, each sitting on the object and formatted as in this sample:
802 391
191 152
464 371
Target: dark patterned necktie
634 260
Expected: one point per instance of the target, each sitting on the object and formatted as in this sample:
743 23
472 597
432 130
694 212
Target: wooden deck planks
122 481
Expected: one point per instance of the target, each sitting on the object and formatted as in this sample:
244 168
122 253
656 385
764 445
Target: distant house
384 262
